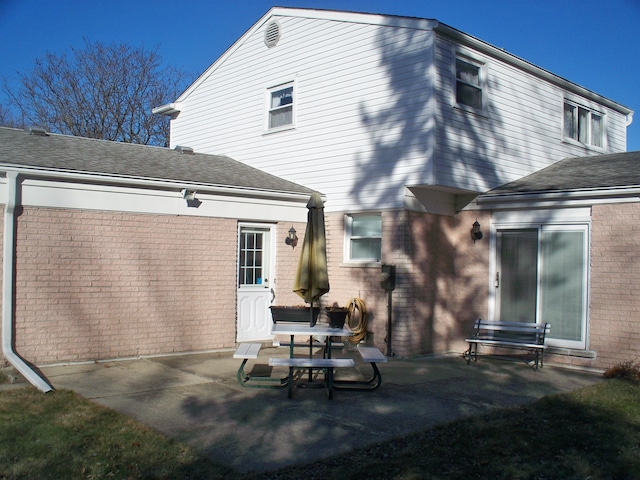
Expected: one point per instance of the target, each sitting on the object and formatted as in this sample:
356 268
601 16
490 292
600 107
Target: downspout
8 283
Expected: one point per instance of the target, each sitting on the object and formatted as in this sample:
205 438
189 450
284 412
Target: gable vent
272 34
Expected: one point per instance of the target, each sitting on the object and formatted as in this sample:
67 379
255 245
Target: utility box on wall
388 277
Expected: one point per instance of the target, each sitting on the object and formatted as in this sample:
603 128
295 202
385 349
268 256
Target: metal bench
518 335
247 351
326 364
372 355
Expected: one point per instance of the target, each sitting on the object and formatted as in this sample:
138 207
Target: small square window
469 84
364 237
281 106
583 125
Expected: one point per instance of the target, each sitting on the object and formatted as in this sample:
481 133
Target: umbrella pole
311 341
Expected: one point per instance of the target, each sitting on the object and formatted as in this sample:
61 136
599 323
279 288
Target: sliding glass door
541 276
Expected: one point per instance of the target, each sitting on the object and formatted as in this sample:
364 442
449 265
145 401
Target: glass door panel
563 283
517 275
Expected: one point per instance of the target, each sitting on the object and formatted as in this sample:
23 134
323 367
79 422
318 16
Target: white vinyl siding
520 133
373 113
362 109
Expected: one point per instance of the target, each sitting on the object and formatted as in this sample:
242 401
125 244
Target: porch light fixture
292 238
476 233
188 195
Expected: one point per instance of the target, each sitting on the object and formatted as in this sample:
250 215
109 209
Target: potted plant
293 313
337 316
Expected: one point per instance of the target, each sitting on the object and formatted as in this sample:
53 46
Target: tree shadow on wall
420 126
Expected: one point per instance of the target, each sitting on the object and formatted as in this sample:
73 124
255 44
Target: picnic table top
303 328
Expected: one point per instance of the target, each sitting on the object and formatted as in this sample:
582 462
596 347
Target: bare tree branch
101 91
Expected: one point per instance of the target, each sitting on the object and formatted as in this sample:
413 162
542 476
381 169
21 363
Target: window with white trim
583 125
280 111
470 90
363 237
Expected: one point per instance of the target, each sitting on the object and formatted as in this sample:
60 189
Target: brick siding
614 332
441 280
96 285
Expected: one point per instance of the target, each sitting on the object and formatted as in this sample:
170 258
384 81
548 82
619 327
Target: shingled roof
598 172
113 160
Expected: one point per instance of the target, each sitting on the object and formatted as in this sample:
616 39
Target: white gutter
8 282
70 175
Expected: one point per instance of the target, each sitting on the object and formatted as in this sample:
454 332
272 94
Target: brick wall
441 284
615 284
96 285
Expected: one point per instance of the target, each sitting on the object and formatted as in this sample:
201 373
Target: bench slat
312 362
248 350
503 342
371 354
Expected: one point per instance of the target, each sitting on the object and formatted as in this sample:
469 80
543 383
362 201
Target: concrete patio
197 400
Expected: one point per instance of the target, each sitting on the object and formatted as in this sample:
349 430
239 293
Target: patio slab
196 399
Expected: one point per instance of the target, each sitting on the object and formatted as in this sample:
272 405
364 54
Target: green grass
590 433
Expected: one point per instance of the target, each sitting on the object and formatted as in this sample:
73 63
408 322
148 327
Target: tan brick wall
615 284
96 285
286 264
441 284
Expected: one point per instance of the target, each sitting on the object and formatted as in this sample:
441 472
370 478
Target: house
114 250
411 128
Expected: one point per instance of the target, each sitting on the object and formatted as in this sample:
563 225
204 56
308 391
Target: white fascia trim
559 199
168 109
71 176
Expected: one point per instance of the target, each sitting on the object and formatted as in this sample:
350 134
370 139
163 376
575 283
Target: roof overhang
558 199
140 182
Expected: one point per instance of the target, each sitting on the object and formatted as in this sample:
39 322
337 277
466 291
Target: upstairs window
280 106
469 83
364 238
583 125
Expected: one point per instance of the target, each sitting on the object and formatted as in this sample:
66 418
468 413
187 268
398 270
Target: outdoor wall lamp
476 233
188 195
292 238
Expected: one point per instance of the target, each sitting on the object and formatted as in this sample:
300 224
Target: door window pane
250 258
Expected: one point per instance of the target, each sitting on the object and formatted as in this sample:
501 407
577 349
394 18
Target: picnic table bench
247 351
312 363
372 355
518 335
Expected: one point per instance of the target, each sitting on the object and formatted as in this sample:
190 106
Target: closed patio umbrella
312 280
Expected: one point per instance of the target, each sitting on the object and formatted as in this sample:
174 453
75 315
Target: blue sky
594 43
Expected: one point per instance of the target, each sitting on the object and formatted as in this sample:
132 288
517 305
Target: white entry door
255 274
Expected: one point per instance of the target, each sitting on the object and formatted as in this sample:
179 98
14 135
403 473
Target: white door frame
253 316
552 220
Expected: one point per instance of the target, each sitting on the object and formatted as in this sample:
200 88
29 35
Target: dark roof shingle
579 173
63 153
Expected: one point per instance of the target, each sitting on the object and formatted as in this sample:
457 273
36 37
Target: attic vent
187 150
272 34
39 131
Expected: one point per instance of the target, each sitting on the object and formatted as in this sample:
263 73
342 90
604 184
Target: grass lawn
590 433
